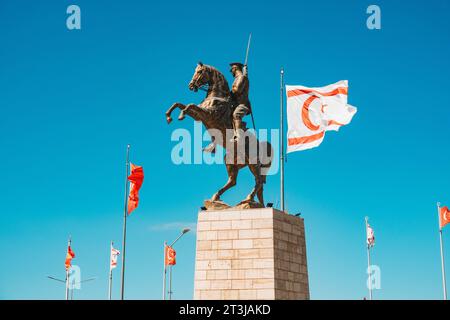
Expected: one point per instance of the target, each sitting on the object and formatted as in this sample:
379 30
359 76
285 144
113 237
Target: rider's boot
238 129
211 148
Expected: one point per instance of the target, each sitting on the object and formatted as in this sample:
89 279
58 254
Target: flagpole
183 232
444 282
67 270
67 284
368 260
282 139
125 213
110 273
170 282
164 272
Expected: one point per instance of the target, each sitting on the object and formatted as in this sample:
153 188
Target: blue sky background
70 101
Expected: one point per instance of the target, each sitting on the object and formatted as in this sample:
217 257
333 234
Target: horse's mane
218 75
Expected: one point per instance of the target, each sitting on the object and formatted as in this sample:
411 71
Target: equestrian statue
222 112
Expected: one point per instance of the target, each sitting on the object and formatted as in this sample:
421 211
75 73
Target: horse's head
200 78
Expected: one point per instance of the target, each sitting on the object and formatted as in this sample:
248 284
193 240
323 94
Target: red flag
444 217
136 178
70 255
170 256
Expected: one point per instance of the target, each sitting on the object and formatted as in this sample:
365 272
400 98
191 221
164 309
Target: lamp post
183 232
71 290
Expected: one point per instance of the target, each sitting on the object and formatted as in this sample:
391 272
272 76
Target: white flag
312 111
114 254
370 236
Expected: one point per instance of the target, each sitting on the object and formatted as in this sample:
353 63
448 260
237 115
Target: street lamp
183 232
64 281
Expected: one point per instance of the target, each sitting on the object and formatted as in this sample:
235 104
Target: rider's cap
237 64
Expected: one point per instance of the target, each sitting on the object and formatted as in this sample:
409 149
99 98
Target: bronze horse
215 112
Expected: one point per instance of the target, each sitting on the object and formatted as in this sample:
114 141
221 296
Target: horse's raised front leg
170 110
192 110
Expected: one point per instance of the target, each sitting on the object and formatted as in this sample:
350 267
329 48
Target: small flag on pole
70 255
370 236
312 111
444 217
136 178
114 254
170 259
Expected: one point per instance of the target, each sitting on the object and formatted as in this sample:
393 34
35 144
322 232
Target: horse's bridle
203 87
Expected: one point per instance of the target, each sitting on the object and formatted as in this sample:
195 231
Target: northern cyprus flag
113 260
313 111
370 236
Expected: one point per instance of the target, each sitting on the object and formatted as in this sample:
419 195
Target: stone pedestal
250 254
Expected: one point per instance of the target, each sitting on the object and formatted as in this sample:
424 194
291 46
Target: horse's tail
265 158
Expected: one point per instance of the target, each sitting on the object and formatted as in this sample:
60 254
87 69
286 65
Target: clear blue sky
70 101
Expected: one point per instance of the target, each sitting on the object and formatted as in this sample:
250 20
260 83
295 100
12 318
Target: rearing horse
215 112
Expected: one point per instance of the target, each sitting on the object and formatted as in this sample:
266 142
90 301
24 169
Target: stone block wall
250 254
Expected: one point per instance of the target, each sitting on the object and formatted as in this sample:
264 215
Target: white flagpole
67 284
282 139
368 260
164 272
170 282
67 270
444 282
110 273
125 213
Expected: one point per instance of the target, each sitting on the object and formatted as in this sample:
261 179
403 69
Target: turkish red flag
70 255
444 216
170 256
136 178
